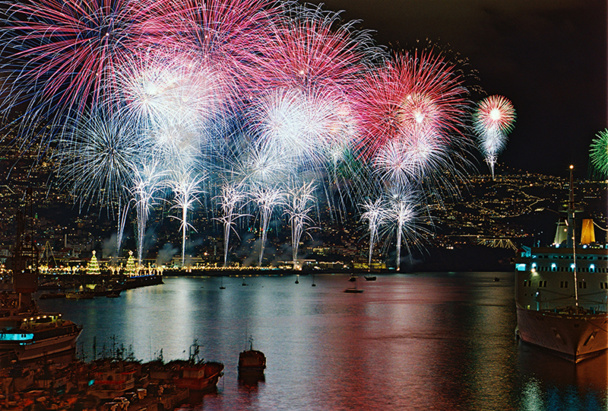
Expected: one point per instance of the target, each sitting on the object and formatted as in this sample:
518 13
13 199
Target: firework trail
266 198
598 153
232 195
96 162
493 121
299 204
375 213
404 213
185 185
146 183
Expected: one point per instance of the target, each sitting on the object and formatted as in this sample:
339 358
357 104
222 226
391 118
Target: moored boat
561 291
196 374
251 362
32 335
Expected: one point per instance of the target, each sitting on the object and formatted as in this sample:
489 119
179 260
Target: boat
370 278
196 374
251 362
32 335
352 278
113 294
79 295
561 291
354 290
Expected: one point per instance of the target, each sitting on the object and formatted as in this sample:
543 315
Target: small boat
113 294
370 278
352 278
79 295
50 296
354 290
252 363
297 278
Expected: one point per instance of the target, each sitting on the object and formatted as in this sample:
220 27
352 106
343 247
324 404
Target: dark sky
547 56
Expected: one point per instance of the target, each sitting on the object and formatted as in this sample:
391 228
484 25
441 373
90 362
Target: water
441 341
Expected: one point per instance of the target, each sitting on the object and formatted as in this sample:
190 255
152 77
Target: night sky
547 56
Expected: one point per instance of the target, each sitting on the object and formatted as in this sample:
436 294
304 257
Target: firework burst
493 120
63 55
408 95
599 153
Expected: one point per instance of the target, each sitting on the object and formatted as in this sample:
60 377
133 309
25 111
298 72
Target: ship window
582 284
563 284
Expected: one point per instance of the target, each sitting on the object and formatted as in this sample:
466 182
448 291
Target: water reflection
419 341
551 382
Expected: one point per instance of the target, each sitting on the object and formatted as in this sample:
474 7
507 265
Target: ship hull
574 337
43 348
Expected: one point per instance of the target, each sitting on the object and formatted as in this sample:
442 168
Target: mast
571 235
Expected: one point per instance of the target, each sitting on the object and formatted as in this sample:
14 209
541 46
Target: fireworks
232 196
298 207
409 95
375 214
64 55
266 198
599 153
493 120
266 102
185 185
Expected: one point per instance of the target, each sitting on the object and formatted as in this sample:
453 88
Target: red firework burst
64 53
494 113
309 50
408 95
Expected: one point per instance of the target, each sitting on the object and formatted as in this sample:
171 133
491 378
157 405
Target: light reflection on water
421 341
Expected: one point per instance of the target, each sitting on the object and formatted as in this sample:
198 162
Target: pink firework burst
410 94
494 112
64 53
310 49
228 32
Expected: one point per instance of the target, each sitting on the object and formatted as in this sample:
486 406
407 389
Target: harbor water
422 341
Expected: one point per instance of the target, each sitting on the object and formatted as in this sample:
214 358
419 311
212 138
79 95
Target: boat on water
370 278
196 374
251 362
32 335
79 295
561 291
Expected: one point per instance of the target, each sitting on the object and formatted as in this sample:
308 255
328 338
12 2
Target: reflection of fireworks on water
375 214
599 153
493 120
185 185
298 205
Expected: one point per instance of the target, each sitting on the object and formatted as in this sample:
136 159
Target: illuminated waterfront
419 341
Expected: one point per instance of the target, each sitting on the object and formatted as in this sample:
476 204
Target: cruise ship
30 335
561 291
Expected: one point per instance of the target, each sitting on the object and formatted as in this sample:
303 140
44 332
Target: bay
410 341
